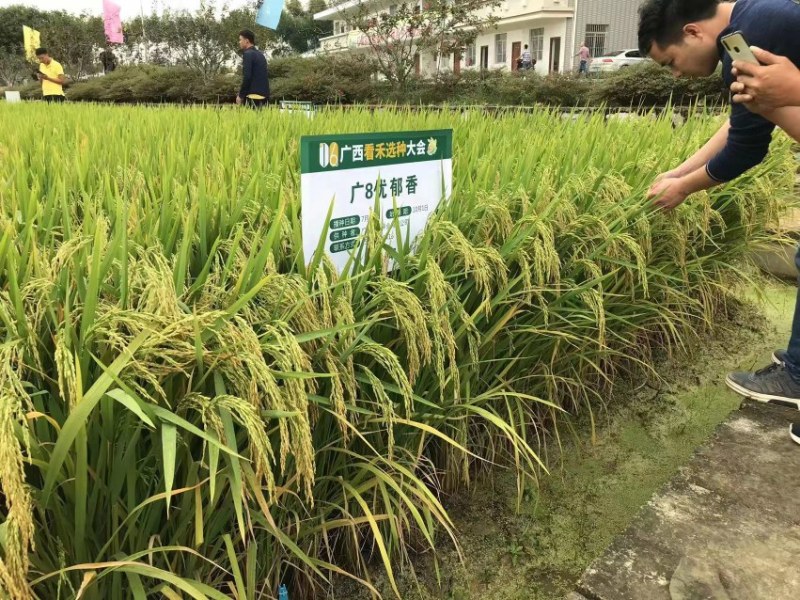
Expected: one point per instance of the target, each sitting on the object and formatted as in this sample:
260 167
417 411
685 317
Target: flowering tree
398 35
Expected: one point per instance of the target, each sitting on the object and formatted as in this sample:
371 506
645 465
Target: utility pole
145 52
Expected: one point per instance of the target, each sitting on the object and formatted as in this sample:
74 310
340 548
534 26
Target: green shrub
563 90
652 85
148 83
352 79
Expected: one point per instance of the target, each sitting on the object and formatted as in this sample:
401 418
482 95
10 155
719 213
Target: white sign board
295 106
406 173
12 97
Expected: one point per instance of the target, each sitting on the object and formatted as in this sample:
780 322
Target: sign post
406 173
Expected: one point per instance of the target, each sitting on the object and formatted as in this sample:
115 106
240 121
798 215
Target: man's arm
788 119
670 192
247 76
60 79
748 143
700 158
745 146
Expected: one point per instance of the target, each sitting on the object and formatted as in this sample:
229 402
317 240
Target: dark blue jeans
793 358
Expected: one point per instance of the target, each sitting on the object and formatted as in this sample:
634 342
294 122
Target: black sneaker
772 384
794 432
779 357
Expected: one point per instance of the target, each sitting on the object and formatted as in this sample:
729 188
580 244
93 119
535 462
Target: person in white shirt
527 61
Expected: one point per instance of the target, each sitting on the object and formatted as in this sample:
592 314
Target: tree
299 30
442 27
295 27
204 40
200 41
13 68
321 28
12 18
74 41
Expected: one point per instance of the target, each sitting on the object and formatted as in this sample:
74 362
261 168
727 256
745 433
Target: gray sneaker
772 384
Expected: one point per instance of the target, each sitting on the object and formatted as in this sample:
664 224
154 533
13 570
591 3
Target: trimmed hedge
651 84
352 79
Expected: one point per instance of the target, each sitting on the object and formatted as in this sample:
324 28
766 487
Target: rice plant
188 410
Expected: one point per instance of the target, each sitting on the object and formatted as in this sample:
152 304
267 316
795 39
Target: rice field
189 411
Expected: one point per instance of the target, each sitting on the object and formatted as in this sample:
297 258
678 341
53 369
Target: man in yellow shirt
51 74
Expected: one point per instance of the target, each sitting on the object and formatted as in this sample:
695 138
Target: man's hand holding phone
764 87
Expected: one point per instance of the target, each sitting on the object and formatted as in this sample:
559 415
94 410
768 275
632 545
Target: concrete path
727 527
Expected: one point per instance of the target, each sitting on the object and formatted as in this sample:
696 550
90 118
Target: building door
457 62
484 57
417 65
555 54
516 50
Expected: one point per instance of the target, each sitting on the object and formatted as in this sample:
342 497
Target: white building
553 30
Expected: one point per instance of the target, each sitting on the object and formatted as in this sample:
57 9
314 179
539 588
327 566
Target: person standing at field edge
255 79
51 74
686 37
585 56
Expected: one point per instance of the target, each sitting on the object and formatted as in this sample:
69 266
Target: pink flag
113 23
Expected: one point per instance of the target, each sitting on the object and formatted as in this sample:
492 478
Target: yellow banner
32 41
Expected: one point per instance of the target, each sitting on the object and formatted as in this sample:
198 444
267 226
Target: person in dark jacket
255 81
108 60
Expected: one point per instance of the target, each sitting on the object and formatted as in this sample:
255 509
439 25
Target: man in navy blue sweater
685 36
774 83
255 79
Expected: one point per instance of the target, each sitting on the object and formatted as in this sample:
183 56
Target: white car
614 61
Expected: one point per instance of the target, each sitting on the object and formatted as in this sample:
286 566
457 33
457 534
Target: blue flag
270 13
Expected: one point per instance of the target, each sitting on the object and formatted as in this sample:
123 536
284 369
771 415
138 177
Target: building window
537 43
393 9
500 48
596 39
470 55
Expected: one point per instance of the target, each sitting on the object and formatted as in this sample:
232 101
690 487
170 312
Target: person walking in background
585 56
51 74
255 78
527 61
108 60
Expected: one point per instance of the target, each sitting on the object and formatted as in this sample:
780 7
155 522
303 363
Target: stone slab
727 527
777 259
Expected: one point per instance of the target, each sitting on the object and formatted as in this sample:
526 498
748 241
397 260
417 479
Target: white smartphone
738 48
